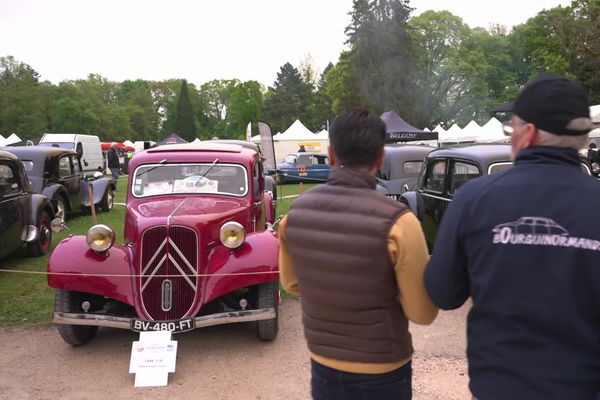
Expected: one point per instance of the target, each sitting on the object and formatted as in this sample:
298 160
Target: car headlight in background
100 237
232 234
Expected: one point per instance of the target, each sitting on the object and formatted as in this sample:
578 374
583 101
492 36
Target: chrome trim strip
182 272
149 277
88 319
436 197
155 254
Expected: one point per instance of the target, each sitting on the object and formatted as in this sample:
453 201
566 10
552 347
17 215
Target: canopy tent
399 130
173 138
12 139
595 114
129 143
296 131
470 132
452 135
491 132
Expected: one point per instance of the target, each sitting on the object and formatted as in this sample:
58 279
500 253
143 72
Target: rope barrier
134 275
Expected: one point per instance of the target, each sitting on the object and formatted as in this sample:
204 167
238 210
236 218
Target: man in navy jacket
524 244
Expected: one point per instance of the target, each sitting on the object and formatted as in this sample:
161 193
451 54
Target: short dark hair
357 137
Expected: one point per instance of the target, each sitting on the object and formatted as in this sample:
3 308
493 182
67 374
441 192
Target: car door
69 179
13 208
433 198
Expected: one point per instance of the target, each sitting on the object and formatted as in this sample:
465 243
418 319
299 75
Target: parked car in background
56 173
86 146
25 217
199 249
400 169
444 171
303 167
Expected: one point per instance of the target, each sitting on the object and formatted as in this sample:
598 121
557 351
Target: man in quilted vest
357 260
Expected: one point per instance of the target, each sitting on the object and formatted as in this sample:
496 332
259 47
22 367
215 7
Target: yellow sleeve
288 278
408 252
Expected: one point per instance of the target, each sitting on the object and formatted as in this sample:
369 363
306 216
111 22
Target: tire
268 296
108 200
61 207
42 244
75 335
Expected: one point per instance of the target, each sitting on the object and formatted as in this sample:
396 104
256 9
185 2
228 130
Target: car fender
99 187
410 199
53 190
257 257
74 266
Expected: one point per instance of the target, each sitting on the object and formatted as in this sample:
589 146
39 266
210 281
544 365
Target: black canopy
398 130
173 138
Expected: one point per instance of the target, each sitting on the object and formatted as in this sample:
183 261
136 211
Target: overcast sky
200 40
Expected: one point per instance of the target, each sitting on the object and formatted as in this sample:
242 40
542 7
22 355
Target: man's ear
531 138
332 159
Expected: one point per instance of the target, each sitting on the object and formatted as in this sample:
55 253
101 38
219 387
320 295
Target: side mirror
86 163
58 225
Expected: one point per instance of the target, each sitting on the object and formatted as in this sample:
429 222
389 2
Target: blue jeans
331 384
115 175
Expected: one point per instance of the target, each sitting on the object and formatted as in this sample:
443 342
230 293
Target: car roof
38 152
195 152
482 153
297 153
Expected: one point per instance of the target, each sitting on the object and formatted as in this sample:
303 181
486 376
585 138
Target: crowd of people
360 265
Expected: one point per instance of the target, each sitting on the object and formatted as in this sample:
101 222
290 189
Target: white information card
152 358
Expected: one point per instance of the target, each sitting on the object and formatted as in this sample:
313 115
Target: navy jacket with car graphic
525 245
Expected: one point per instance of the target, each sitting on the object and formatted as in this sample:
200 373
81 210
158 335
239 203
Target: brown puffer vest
337 236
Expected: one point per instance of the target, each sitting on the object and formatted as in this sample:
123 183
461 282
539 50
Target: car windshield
158 179
62 145
290 159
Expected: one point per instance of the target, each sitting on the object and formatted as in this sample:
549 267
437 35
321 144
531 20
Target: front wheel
75 335
42 243
108 200
268 296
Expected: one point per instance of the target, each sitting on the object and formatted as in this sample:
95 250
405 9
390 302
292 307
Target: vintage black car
400 170
57 174
444 171
25 217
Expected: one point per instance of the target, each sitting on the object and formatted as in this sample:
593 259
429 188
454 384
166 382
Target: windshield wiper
161 162
208 169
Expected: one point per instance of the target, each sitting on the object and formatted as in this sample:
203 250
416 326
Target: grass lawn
26 299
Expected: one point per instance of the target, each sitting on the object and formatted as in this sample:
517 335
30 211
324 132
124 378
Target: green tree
21 100
321 105
184 119
289 99
244 107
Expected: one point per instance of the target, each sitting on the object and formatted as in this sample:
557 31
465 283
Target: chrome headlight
100 238
232 235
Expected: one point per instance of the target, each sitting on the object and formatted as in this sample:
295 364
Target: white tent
470 132
492 133
12 139
129 143
452 135
595 113
297 131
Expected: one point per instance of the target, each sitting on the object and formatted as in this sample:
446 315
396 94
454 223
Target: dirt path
224 362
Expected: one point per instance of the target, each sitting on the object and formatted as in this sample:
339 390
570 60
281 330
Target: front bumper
201 322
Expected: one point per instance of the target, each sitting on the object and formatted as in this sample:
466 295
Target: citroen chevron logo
187 265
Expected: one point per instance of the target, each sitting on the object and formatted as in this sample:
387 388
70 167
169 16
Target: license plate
178 325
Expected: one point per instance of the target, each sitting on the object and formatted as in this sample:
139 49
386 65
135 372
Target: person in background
302 149
524 245
357 259
113 163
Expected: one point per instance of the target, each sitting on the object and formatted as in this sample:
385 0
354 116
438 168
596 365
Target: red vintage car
199 249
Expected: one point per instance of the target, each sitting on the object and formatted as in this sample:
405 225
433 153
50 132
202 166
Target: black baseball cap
553 104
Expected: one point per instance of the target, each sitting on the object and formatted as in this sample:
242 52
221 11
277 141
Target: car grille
171 251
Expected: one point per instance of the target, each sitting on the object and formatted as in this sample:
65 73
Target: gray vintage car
400 169
57 174
24 216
